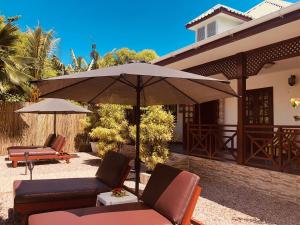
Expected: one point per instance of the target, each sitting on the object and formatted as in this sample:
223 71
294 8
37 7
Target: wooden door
259 106
259 118
209 112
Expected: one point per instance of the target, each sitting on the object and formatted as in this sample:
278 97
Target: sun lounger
54 152
48 142
169 198
57 194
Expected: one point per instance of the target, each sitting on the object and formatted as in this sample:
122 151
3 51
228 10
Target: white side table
107 199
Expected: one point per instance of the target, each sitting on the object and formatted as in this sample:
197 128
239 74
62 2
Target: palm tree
79 64
12 66
40 46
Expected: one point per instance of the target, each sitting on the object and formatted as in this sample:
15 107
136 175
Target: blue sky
137 24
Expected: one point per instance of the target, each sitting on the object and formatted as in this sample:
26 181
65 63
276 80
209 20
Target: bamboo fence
33 129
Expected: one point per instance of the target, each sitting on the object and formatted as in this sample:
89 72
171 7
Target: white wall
282 92
178 132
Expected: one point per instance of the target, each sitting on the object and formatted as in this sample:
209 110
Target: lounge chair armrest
24 147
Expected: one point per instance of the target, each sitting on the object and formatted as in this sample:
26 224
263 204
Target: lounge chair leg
14 164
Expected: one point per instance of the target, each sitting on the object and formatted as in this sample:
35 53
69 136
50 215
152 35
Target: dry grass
220 204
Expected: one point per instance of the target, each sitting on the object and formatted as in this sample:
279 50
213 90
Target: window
211 29
201 34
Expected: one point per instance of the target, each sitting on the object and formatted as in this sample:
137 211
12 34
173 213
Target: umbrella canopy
118 84
53 106
138 84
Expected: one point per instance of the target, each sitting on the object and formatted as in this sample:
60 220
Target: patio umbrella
53 106
137 84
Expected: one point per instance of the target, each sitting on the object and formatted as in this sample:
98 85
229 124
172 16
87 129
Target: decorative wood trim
255 59
276 22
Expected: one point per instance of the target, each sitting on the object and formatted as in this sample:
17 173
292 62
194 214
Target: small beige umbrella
53 106
137 84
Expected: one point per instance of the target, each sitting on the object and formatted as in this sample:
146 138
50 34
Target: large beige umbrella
53 106
137 84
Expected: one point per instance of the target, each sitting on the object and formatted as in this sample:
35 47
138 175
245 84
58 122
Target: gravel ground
219 204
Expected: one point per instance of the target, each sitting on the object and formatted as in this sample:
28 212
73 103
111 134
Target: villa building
259 52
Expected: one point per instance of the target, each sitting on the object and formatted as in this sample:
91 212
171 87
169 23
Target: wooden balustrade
270 147
212 141
273 147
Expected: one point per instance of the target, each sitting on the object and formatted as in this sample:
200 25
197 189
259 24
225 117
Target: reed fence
33 129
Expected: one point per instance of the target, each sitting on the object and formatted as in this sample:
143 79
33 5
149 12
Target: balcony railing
273 147
270 147
212 141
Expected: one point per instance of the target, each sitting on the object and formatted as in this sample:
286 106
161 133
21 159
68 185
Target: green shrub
157 127
108 126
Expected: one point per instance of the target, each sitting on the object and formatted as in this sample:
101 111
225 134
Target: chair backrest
113 169
58 143
49 140
170 191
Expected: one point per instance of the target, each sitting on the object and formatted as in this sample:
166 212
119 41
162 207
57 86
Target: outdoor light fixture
292 80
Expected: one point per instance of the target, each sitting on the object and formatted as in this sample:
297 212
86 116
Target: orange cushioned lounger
169 198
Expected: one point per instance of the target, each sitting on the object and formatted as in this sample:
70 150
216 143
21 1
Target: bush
108 126
157 127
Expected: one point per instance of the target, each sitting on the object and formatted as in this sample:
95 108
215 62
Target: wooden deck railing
270 147
212 141
273 147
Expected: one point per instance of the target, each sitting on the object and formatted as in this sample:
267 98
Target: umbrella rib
68 86
206 85
154 82
123 82
128 82
143 91
103 90
151 78
180 91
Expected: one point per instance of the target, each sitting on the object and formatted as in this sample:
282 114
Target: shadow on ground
253 203
9 220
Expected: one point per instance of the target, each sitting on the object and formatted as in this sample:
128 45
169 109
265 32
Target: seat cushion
124 214
169 191
35 151
27 191
113 168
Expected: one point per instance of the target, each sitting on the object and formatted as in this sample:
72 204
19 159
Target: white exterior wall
224 23
282 93
178 132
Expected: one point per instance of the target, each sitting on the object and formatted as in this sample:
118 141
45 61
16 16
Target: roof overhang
275 27
220 10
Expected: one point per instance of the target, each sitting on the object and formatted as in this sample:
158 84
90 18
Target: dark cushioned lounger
56 194
169 198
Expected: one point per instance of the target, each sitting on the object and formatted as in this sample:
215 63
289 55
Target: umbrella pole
137 141
54 124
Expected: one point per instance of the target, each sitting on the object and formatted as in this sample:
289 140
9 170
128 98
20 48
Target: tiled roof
214 10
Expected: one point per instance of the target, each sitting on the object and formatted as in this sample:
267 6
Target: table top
106 198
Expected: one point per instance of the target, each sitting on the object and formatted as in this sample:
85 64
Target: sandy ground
219 204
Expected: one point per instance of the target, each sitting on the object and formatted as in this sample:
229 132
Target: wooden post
241 91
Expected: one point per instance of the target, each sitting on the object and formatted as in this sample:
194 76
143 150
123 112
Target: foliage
156 130
125 55
295 102
13 78
109 126
40 45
